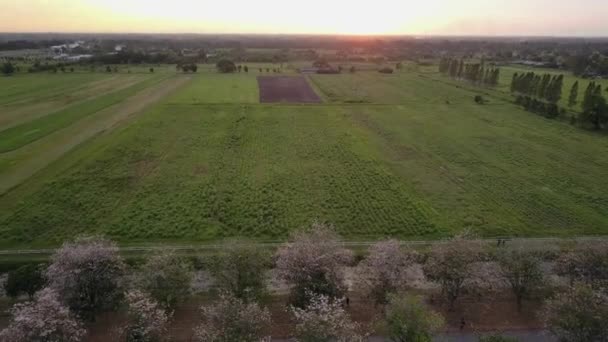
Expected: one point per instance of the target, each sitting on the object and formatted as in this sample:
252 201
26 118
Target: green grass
219 88
412 157
38 87
21 135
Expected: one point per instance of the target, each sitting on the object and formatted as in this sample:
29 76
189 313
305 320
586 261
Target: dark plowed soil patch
287 89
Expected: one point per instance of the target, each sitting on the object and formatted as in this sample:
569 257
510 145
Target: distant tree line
595 108
478 73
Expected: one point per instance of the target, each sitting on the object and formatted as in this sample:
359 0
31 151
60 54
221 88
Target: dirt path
32 158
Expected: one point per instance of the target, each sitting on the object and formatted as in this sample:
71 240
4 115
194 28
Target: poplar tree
573 95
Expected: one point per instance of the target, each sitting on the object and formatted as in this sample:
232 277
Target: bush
386 70
479 99
407 318
225 66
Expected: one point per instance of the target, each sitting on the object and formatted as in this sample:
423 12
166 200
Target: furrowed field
408 155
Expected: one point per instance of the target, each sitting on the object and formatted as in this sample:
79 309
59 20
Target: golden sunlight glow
312 16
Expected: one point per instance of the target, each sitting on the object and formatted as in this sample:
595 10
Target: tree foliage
167 278
313 261
27 279
87 275
476 73
595 108
521 271
45 319
147 321
384 270
226 66
408 318
588 263
324 319
231 319
8 68
451 266
579 315
241 271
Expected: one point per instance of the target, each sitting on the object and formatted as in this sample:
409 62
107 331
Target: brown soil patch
286 89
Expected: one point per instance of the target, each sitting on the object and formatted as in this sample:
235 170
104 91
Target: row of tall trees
478 73
89 276
546 87
594 106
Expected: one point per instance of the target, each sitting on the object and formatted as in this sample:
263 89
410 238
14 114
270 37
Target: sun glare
316 16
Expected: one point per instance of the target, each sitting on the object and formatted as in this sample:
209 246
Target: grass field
406 155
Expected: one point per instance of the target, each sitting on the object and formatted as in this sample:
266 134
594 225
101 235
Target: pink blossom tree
325 320
147 321
384 270
44 319
451 265
313 262
87 275
232 319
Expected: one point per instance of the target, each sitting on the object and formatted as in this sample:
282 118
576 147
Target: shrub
386 70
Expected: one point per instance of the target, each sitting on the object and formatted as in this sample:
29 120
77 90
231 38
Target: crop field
404 155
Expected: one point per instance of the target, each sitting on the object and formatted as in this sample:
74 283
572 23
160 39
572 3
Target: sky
373 17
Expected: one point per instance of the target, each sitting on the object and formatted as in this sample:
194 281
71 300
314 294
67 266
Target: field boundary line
546 242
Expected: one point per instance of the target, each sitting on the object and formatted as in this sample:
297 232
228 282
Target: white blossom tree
588 263
451 265
384 270
167 278
231 319
313 262
325 320
87 275
147 321
45 319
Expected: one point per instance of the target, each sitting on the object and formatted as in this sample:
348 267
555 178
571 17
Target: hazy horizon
541 18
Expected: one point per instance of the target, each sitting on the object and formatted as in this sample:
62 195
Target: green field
407 155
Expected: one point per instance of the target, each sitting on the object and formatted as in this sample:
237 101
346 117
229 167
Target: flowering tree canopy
313 262
451 264
232 319
167 278
384 270
325 320
87 275
44 319
579 315
147 321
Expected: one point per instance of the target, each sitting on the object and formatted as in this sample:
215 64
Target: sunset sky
444 17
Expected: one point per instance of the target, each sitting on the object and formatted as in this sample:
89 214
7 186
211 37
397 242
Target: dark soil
286 89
